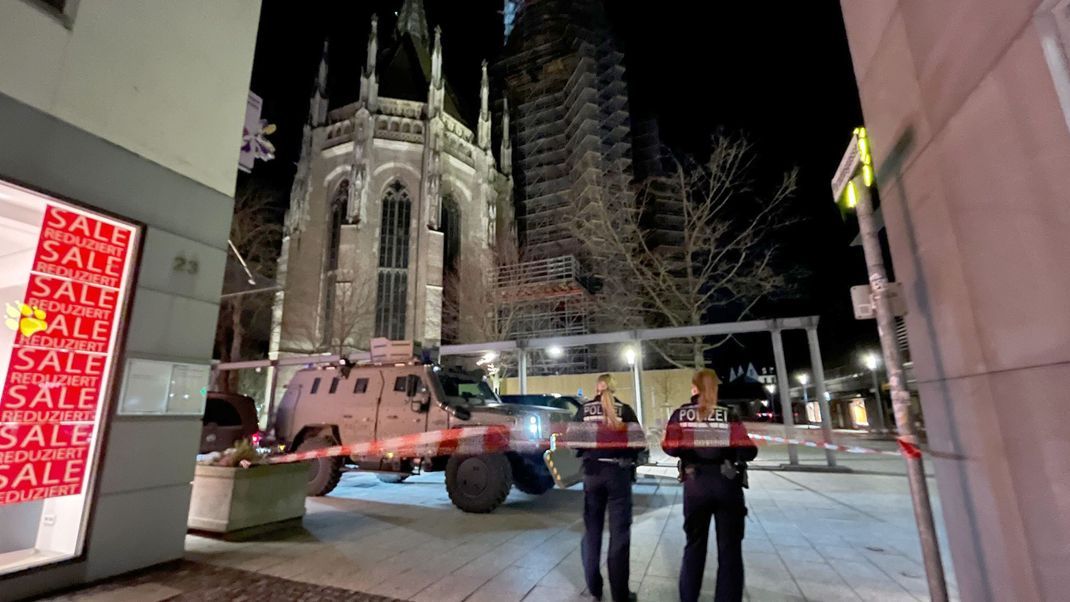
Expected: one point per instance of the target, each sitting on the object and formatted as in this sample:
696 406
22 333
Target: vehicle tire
531 476
323 473
388 477
478 484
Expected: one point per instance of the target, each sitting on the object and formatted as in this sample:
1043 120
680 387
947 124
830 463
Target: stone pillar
972 150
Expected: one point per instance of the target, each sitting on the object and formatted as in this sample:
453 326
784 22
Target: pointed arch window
450 222
393 281
337 217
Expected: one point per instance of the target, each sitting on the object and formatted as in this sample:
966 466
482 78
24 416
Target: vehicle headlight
533 425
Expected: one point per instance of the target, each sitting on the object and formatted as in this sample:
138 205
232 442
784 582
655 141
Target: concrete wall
137 110
973 156
166 80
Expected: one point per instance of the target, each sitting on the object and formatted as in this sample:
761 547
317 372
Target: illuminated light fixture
629 356
852 196
870 361
555 352
803 378
864 156
770 388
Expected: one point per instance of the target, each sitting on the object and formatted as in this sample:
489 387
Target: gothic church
392 193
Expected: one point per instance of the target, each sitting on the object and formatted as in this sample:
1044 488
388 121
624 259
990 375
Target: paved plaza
810 536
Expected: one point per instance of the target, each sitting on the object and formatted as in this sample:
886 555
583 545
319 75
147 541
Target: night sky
778 72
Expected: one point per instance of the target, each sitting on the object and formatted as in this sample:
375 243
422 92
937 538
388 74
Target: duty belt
622 462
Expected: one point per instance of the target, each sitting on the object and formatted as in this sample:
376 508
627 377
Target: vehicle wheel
478 484
392 477
323 473
531 477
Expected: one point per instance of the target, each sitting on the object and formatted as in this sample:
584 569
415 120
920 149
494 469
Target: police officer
607 482
714 478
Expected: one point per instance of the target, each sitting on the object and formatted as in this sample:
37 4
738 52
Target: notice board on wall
65 278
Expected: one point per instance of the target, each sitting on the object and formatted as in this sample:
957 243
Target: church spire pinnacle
412 20
369 80
484 110
373 47
507 145
317 109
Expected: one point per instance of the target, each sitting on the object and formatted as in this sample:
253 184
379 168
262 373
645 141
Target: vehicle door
358 401
404 403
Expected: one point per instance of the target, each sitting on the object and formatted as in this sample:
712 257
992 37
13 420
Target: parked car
546 400
228 418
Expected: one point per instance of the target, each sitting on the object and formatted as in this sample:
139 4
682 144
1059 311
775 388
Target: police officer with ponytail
714 478
607 483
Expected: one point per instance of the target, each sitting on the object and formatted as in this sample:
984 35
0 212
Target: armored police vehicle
350 404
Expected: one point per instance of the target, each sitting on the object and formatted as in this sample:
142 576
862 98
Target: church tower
393 191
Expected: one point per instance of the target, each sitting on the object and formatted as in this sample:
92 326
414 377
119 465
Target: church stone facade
392 193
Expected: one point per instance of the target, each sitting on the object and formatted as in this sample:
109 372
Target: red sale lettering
86 226
56 361
44 436
66 291
18 397
78 260
50 405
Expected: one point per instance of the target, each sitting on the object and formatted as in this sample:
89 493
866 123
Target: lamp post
633 357
804 379
872 362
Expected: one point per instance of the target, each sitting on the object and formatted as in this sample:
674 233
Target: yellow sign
25 319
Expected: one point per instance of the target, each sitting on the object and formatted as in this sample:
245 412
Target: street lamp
555 352
629 355
804 379
872 361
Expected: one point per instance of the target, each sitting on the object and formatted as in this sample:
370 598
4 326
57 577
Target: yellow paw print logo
26 319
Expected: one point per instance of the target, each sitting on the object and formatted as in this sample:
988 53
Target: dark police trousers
709 494
607 485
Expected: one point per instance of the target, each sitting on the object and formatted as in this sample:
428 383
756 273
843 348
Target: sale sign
58 341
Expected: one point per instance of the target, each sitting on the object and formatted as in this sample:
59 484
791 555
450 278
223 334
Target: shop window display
66 273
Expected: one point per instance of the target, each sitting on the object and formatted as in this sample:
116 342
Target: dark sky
780 72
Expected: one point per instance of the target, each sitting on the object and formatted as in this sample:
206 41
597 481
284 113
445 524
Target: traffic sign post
850 189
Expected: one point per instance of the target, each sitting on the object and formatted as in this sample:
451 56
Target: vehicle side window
315 386
361 386
334 385
399 383
221 413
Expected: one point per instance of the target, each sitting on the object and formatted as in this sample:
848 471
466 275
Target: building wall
962 104
135 109
166 80
389 160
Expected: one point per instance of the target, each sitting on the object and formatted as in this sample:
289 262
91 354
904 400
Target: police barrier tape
476 440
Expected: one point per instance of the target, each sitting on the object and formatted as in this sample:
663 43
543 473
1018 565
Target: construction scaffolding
565 79
545 298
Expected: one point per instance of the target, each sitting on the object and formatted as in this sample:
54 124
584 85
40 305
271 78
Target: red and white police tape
475 440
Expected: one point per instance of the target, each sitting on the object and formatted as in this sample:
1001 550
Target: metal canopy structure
775 327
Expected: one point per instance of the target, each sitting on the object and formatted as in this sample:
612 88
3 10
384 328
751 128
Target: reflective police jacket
686 425
592 413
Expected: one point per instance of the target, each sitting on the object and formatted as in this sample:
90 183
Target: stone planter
231 499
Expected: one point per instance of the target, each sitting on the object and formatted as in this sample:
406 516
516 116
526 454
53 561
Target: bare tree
345 325
709 249
255 231
480 306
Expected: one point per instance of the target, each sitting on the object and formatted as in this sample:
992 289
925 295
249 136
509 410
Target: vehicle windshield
473 392
548 401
